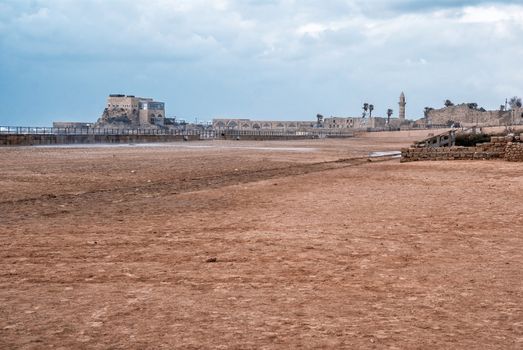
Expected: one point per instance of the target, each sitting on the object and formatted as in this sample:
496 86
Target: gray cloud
268 59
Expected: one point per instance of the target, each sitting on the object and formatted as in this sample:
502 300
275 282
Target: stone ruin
468 114
129 111
443 147
119 117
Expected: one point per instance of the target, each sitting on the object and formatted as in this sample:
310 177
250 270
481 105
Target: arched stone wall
245 124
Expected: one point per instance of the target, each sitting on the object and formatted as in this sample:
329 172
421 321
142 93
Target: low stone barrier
52 139
449 153
514 152
264 137
268 135
502 147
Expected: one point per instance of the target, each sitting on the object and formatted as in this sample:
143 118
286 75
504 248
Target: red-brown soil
258 245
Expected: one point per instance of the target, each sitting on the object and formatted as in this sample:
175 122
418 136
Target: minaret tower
402 106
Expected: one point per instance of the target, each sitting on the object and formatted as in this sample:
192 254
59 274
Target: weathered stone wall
509 148
450 153
247 124
119 117
363 123
514 152
468 116
328 123
358 122
51 139
127 102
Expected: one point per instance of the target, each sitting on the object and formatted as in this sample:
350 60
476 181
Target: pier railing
204 134
319 133
38 130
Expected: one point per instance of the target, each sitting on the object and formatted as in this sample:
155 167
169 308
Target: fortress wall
119 106
467 116
123 102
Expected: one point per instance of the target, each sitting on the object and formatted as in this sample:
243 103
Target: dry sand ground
232 246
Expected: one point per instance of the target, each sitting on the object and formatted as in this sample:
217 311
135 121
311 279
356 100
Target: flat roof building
132 111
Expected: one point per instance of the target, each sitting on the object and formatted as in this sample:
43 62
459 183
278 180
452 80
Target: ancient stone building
467 114
361 123
321 122
327 123
132 111
371 122
344 123
247 124
442 147
402 105
351 122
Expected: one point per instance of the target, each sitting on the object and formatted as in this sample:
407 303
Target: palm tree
515 102
365 109
371 108
427 110
319 118
389 114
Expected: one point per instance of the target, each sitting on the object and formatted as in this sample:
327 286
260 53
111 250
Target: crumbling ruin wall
451 153
468 116
514 152
119 117
503 147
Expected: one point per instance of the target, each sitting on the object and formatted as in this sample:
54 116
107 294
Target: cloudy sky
266 59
